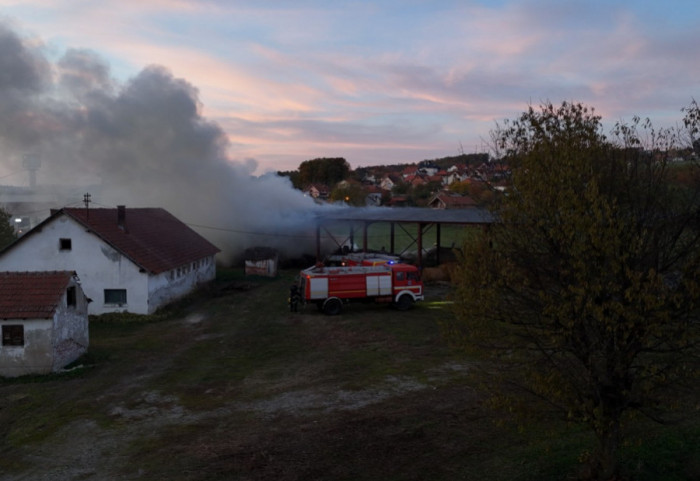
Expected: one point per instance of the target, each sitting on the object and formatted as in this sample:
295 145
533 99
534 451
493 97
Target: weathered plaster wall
36 356
70 331
168 286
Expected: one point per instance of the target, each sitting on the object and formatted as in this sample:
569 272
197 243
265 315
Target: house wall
35 356
168 286
99 267
70 333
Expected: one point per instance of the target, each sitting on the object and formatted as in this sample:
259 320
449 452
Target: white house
44 322
389 181
134 260
428 168
317 191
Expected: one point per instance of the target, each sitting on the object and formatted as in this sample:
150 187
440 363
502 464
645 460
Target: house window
115 297
65 244
13 335
70 296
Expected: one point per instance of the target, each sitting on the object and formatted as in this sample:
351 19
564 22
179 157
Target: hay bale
443 273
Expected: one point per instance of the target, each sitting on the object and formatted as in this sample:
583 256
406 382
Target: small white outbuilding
44 322
261 261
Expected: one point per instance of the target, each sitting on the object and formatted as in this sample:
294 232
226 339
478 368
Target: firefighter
294 298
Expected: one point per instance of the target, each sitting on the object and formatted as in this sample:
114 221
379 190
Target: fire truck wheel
332 307
404 302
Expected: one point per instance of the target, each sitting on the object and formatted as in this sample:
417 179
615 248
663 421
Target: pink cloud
307 78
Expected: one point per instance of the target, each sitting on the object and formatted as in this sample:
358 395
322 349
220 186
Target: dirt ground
233 386
230 385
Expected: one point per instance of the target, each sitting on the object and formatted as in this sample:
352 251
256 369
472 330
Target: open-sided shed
359 219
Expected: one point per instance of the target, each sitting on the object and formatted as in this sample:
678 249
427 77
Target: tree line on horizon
330 171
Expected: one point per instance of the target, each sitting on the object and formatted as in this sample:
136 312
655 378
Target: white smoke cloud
144 142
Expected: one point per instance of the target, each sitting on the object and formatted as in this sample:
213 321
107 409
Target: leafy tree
7 231
401 188
293 177
482 192
327 171
461 188
462 158
421 193
351 194
584 292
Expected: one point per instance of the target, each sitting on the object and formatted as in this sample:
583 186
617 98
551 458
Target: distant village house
317 191
445 200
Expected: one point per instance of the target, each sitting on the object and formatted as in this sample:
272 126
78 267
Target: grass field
229 385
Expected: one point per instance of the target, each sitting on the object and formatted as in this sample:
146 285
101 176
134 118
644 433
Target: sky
375 82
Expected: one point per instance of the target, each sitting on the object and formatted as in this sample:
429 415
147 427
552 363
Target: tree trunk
606 466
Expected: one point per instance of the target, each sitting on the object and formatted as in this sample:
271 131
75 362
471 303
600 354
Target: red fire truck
331 287
361 259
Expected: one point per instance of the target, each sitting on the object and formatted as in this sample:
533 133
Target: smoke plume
142 144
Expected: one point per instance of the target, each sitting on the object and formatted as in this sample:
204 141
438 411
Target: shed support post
364 237
318 242
437 240
391 239
420 246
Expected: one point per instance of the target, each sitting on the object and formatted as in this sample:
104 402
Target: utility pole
86 201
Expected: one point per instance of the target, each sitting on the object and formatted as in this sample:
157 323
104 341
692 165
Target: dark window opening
115 296
65 244
71 297
13 335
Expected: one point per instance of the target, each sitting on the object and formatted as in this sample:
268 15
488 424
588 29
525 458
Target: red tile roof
31 295
451 201
152 238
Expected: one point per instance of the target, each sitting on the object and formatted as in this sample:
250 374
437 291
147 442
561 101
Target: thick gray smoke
144 143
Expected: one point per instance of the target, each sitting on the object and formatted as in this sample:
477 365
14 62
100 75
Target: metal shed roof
408 214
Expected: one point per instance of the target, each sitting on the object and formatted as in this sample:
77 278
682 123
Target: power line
238 231
280 234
